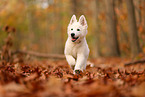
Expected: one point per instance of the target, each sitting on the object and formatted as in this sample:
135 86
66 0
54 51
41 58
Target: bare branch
135 62
41 55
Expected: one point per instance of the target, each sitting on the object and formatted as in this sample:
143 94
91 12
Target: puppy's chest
73 50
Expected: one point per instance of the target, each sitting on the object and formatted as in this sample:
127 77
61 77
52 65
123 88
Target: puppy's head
77 30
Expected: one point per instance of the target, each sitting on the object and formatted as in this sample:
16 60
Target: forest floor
53 78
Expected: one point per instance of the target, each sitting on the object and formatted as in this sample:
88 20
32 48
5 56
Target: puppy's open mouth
74 39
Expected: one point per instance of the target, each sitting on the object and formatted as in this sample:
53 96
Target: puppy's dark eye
78 29
71 28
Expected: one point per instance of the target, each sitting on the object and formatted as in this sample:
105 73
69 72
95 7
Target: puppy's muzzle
73 37
72 34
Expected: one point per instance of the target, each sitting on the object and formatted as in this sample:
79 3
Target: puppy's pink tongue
73 39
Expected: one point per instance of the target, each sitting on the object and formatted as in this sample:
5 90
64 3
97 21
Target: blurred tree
74 6
121 24
97 30
112 41
30 7
133 33
58 33
78 7
138 11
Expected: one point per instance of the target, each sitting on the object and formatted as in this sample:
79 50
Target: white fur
77 52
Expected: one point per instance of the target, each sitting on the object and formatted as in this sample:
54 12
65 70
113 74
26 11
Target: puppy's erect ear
82 21
73 19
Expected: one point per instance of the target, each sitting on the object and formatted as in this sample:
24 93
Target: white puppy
76 47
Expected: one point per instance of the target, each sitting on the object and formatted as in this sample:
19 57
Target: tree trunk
138 12
74 6
112 41
58 47
97 29
77 7
133 34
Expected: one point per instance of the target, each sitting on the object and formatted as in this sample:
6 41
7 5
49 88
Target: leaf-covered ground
53 78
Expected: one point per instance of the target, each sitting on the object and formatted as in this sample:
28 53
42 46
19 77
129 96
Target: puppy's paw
77 71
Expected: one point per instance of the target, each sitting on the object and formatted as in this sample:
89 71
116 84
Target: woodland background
38 28
116 28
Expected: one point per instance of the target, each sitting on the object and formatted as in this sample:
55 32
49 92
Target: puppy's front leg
81 62
71 61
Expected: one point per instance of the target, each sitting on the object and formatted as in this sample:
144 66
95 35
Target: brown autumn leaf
31 77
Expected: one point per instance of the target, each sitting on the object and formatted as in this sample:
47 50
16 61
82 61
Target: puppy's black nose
72 34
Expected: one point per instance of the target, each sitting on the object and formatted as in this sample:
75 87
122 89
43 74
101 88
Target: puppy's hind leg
71 61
